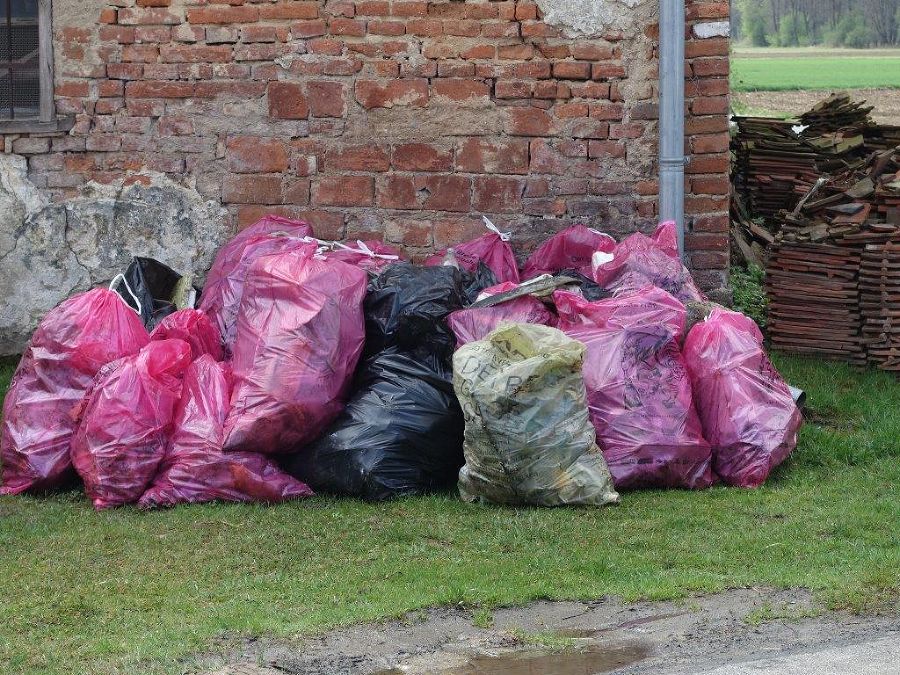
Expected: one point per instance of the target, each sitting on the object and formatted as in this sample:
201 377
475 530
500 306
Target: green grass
124 591
780 73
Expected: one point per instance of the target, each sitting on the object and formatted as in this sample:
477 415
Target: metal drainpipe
671 115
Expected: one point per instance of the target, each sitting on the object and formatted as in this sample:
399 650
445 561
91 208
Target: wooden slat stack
879 284
813 294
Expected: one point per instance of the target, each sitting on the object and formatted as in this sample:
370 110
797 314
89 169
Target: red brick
397 192
708 10
392 28
544 207
108 15
479 52
706 47
711 185
357 158
109 88
445 192
253 154
462 28
705 242
705 125
222 15
77 88
528 122
526 11
153 3
421 157
413 233
572 70
414 8
589 51
630 130
148 17
460 89
489 155
711 143
515 52
606 149
377 94
712 223
712 66
153 34
123 35
424 27
140 53
344 191
159 89
545 159
308 29
564 110
514 89
295 9
287 101
254 189
500 30
695 204
708 164
235 88
175 126
326 99
195 54
348 27
710 105
495 194
591 129
604 71
373 8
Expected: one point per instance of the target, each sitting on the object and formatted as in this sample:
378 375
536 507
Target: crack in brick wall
395 118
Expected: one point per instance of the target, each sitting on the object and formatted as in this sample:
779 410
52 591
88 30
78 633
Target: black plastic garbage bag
400 434
406 307
477 281
154 290
590 289
401 431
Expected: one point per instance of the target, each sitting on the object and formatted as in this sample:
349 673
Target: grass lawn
804 68
124 591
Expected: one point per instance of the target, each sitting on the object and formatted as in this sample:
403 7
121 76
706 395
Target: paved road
878 657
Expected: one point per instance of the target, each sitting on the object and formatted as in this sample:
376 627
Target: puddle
586 661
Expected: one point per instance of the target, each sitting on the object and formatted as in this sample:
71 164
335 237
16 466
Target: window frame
47 120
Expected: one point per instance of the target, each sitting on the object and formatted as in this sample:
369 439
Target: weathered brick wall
402 118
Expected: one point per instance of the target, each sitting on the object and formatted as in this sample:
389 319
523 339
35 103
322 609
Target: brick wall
403 118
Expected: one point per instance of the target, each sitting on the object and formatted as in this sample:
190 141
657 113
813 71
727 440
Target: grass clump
747 286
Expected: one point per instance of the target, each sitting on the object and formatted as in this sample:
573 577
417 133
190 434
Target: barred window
26 69
20 86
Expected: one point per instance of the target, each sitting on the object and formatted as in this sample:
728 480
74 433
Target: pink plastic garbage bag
68 348
195 469
639 392
125 420
571 249
372 256
224 286
747 411
300 333
641 261
492 249
474 323
195 328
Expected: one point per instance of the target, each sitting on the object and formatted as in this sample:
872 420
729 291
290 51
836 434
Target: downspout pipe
671 115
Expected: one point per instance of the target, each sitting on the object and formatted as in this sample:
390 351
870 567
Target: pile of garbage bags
309 366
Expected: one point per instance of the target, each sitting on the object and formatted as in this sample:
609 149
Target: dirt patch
886 101
603 636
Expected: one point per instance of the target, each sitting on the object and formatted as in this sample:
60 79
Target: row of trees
836 23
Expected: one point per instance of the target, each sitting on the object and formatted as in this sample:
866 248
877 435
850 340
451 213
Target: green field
125 591
811 69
